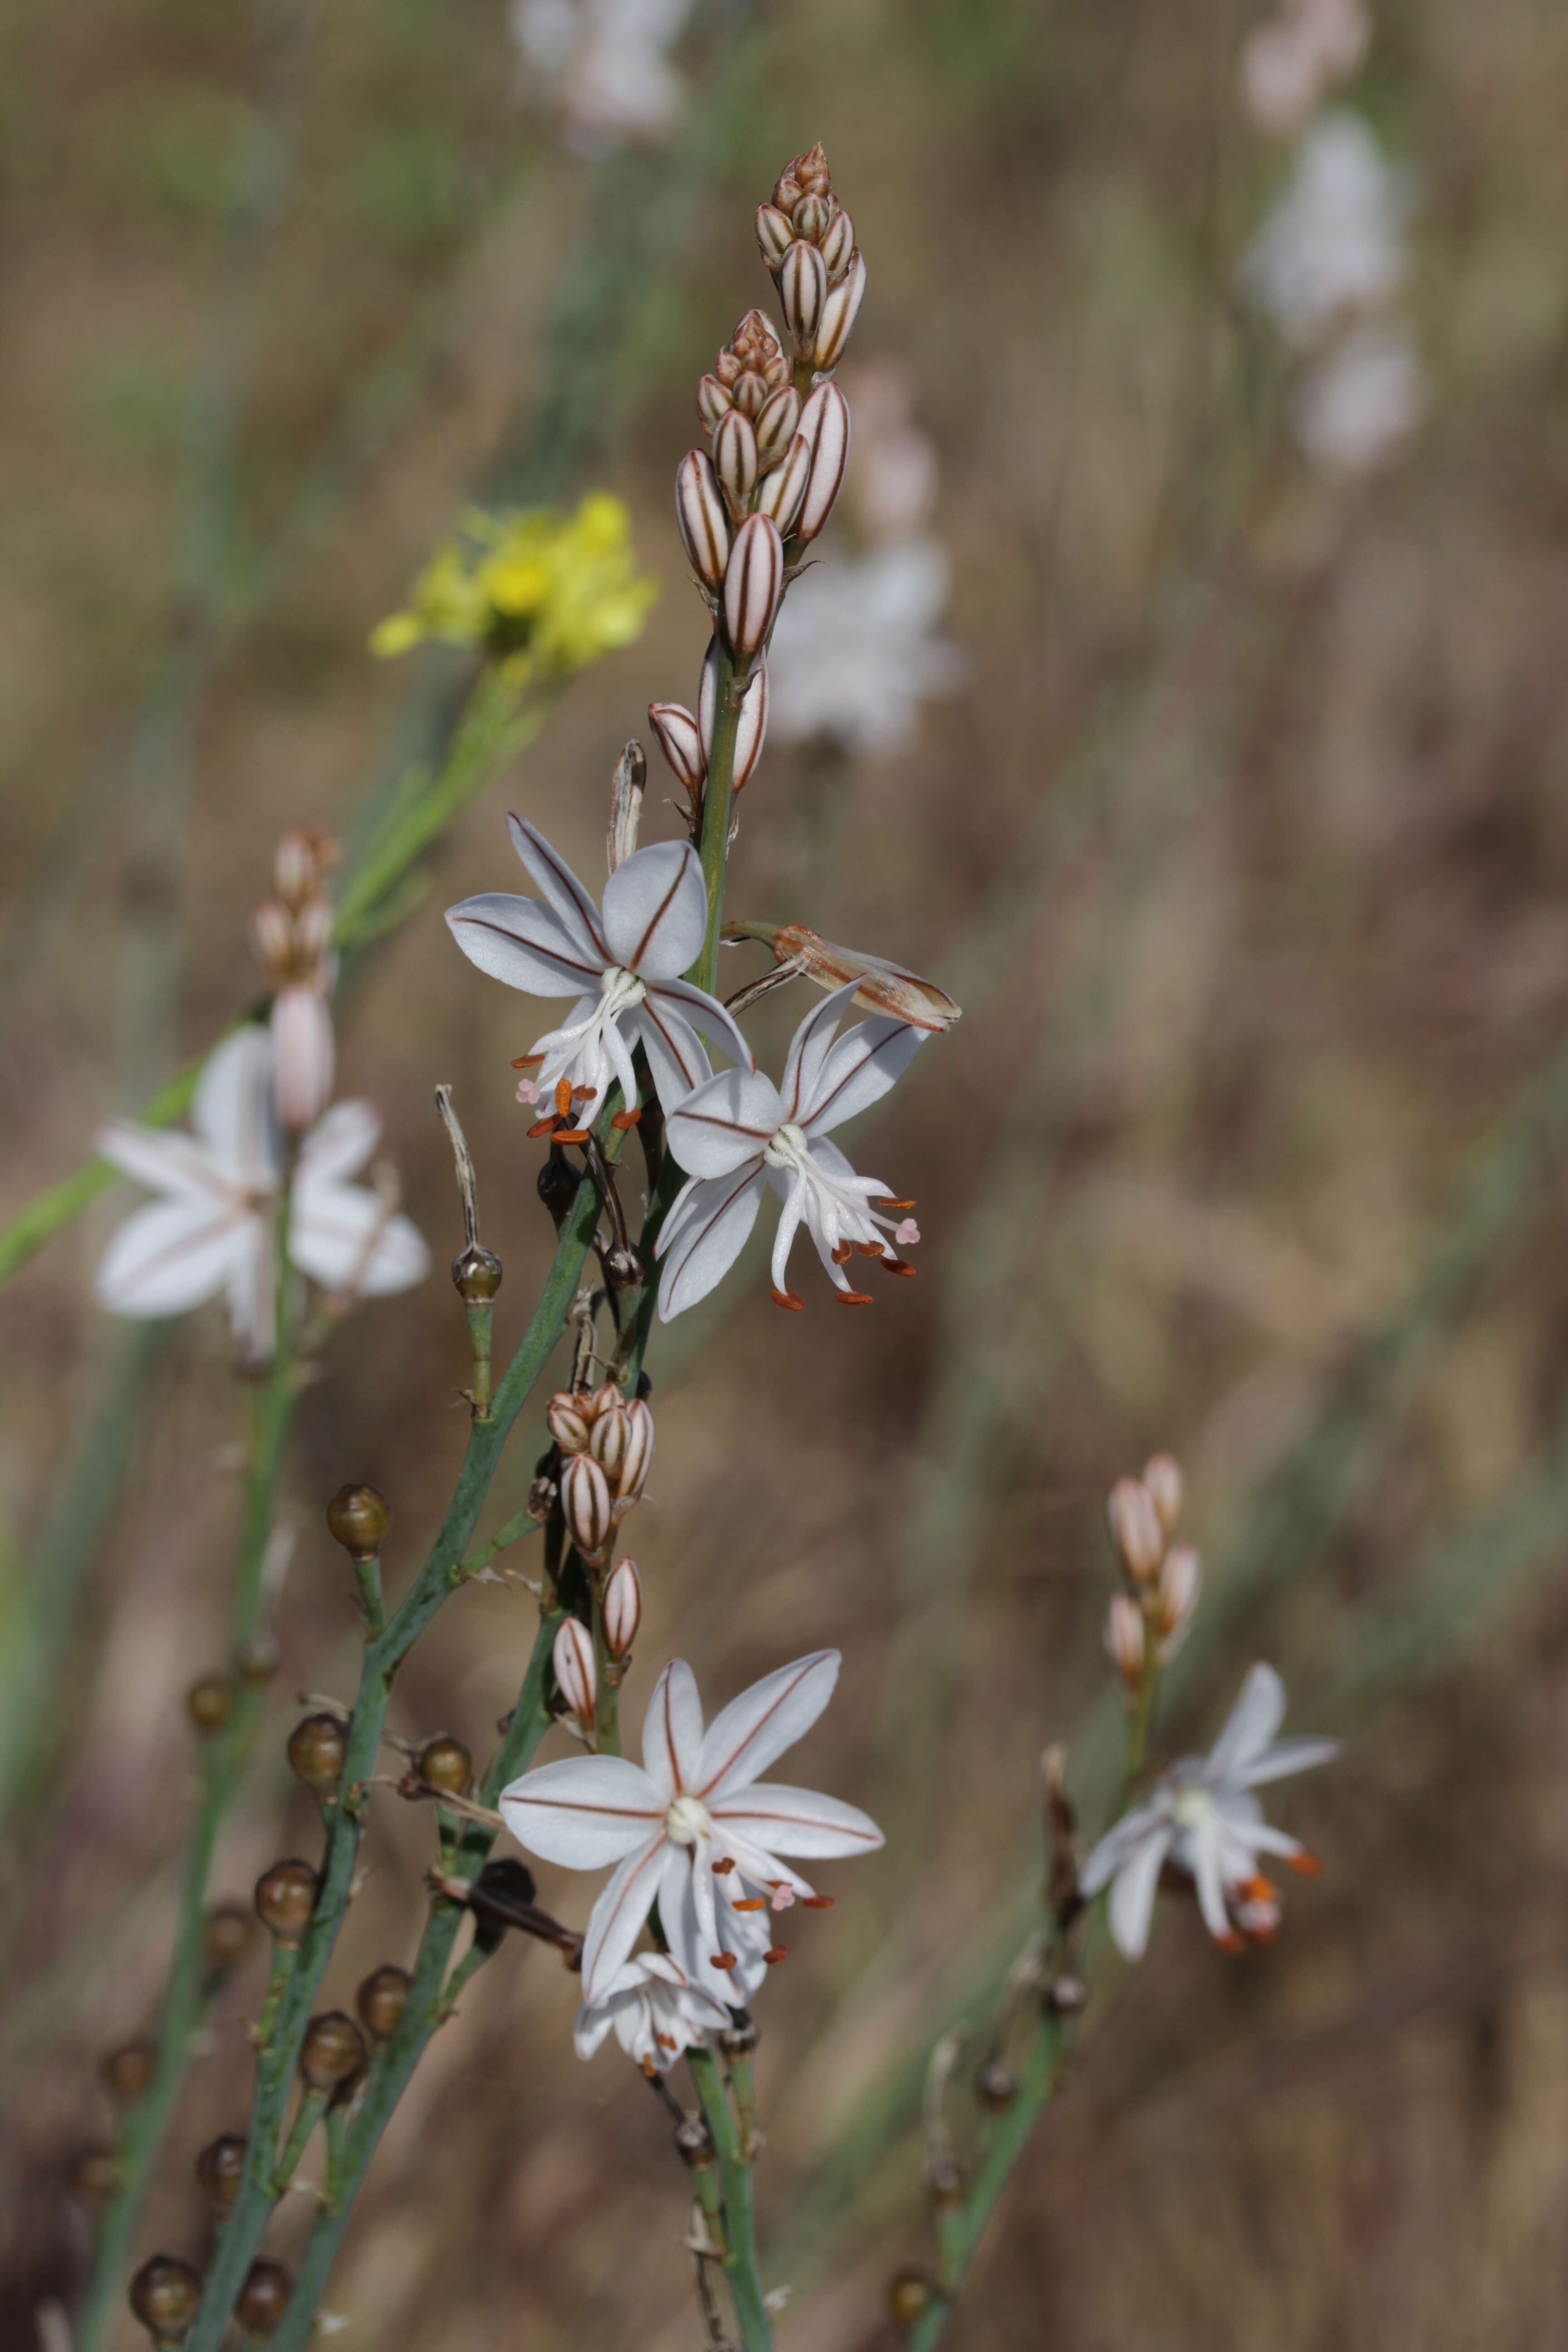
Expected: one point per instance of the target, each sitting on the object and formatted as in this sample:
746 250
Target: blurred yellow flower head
551 592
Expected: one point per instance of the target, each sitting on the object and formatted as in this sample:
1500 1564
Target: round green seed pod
359 1518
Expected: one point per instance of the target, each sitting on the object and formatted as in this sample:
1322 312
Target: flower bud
623 1609
220 2168
1124 1638
812 216
380 2000
908 2296
313 930
609 1441
263 2299
783 490
1181 1582
1135 1529
752 726
446 1764
825 424
604 1398
164 2296
94 2174
285 1899
735 460
699 516
839 312
884 987
639 1450
317 1747
753 582
776 423
572 1658
803 290
567 1420
995 2086
476 1275
1163 1478
303 857
228 1936
128 2071
359 1518
774 234
585 1504
680 742
208 1703
272 938
712 402
333 2052
303 1055
837 244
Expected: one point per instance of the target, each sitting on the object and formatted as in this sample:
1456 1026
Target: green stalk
717 799
383 1654
739 2265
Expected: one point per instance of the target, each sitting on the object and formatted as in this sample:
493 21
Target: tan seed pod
228 1936
220 2168
446 1764
94 2174
285 1899
263 2299
359 1518
332 2051
164 2295
753 582
209 1703
128 2071
317 1747
700 518
380 2000
908 2296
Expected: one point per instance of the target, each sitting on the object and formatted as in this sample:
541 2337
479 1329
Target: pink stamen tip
527 1092
907 1234
783 1898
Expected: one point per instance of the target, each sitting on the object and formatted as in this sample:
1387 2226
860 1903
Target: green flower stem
480 1320
522 1523
252 2207
146 2125
739 2265
367 1576
431 1996
313 2107
717 799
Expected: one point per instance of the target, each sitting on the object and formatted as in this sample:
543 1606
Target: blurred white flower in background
1362 399
855 650
1333 248
603 66
1304 50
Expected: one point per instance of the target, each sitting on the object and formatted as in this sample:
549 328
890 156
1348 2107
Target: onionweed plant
655 1166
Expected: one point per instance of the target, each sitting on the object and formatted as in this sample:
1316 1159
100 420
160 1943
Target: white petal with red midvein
799 1822
584 1811
672 1731
764 1720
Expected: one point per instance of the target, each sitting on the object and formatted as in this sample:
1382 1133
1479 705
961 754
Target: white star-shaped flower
654 2012
622 962
1203 1818
1333 248
214 1227
739 1133
692 1828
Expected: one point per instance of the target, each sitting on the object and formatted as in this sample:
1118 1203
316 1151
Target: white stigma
787 1147
619 991
687 1821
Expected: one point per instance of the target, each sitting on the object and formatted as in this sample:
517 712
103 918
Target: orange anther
751 1902
854 1298
584 1094
624 1118
1231 1942
1260 1889
787 1298
542 1127
841 1252
891 1265
562 1098
1307 1863
778 1953
895 1205
726 1960
528 1060
722 1868
666 2041
816 1902
571 1135
650 2069
868 1249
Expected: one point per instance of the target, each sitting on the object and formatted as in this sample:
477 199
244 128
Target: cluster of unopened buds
1150 1618
293 936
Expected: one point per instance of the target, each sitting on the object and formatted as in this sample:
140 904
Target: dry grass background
1245 847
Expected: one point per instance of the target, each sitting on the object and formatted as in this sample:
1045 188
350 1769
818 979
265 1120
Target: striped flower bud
837 246
1135 1529
735 460
605 1399
1163 1479
782 492
572 1658
712 402
699 516
567 1421
586 1504
753 582
1124 1638
839 312
680 741
774 234
750 728
776 422
638 1455
884 987
609 1441
824 428
1176 1596
623 1609
803 290
812 216
272 938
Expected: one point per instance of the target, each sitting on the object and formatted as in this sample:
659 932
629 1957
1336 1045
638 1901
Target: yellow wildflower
551 593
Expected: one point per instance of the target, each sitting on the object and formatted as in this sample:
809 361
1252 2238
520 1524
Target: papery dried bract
754 581
572 1658
824 428
700 518
839 312
623 1609
883 987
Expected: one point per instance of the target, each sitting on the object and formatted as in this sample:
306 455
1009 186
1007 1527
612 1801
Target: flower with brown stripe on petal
622 960
694 1828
